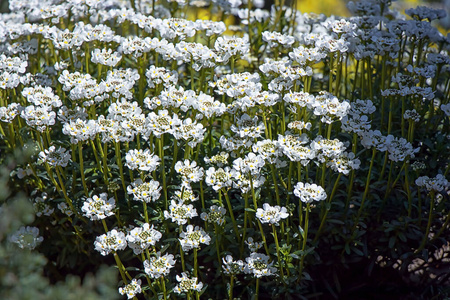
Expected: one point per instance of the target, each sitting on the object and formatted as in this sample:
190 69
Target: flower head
113 240
309 192
158 265
258 265
192 237
141 238
231 267
55 157
99 207
187 284
26 237
131 289
216 215
271 214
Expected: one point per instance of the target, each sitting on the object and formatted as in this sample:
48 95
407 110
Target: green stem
230 290
63 188
195 263
163 284
119 163
274 178
257 289
230 208
280 265
430 218
328 206
80 157
244 232
163 172
256 207
305 238
366 190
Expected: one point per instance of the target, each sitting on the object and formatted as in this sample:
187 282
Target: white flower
399 148
26 237
192 132
8 80
180 212
216 215
414 115
344 163
231 267
298 126
248 127
374 138
326 149
113 240
187 284
119 82
43 96
13 64
227 47
258 265
271 214
251 163
40 117
80 130
242 181
219 178
438 183
189 171
283 39
156 76
55 157
207 106
141 238
309 192
8 113
218 159
293 146
142 160
105 57
161 123
97 208
252 245
41 207
356 123
145 191
131 289
186 194
123 109
269 149
158 265
193 237
65 209
446 108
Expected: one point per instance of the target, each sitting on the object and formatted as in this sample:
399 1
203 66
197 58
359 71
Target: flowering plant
169 142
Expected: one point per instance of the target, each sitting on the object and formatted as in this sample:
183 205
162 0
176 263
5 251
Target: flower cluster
271 214
186 284
141 238
309 192
26 237
192 237
99 207
112 241
159 265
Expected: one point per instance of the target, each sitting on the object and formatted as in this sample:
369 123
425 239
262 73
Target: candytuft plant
275 157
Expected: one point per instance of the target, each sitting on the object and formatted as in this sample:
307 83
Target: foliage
281 160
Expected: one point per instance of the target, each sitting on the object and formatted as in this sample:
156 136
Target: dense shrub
288 155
